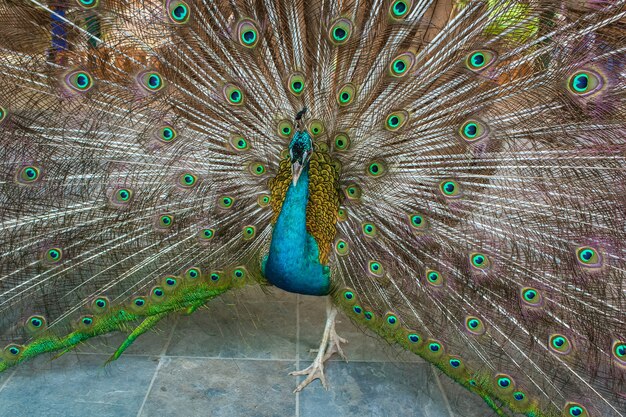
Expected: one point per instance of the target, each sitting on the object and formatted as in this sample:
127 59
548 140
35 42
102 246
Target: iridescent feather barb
456 184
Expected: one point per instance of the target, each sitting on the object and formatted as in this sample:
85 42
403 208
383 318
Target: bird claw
331 344
313 372
334 345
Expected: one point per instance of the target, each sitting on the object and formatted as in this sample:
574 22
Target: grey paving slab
245 329
78 386
362 345
196 387
383 389
5 377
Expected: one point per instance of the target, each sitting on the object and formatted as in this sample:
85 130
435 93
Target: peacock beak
296 171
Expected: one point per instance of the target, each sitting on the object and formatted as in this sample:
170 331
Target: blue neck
293 260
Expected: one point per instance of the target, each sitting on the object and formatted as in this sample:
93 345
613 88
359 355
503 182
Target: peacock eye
248 33
435 347
79 81
369 230
479 60
138 303
264 200
342 142
396 120
226 202
3 113
157 292
187 180
100 305
28 175
531 297
392 320
256 168
239 273
519 396
214 277
165 221
151 81
479 260
473 130
178 11
348 295
619 351
418 222
400 8
296 83
353 192
376 268
575 410
206 234
13 350
588 256
233 94
192 273
413 338
584 83
560 344
474 325
346 94
342 214
455 363
316 127
341 247
340 31
504 383
285 129
88 4
53 255
450 188
376 169
166 134
36 323
86 321
170 283
401 65
239 143
123 196
248 232
434 278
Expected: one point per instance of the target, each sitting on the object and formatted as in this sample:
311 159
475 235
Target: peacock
450 174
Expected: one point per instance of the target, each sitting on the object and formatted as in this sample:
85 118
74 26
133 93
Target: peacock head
300 148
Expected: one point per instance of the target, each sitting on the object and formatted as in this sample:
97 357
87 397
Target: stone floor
233 360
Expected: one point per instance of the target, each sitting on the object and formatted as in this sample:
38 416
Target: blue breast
293 260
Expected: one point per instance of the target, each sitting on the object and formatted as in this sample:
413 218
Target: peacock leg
331 343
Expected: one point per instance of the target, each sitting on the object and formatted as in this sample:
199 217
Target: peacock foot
331 344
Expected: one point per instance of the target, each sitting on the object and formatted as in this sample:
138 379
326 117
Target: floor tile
384 389
362 345
78 386
5 376
195 387
238 330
